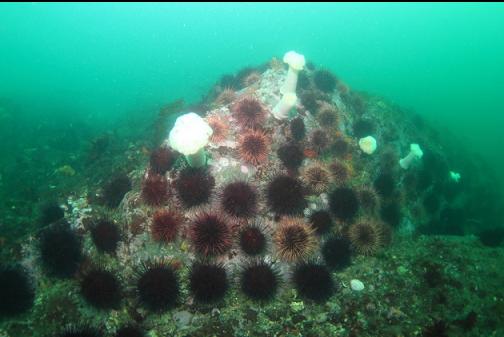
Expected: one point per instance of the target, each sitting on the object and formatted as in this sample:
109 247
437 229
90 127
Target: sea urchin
16 291
260 281
249 112
101 289
194 186
239 199
210 234
208 282
313 281
365 236
253 147
285 195
252 240
154 189
165 225
158 287
294 239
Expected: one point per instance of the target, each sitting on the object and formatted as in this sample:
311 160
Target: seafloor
426 260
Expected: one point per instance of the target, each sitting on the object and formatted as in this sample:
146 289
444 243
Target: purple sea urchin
158 287
297 129
16 291
285 195
105 235
291 155
165 225
339 172
101 289
313 281
252 240
60 250
336 252
319 140
369 199
208 282
343 203
114 190
260 281
239 199
210 234
154 189
325 81
194 186
80 332
162 159
321 221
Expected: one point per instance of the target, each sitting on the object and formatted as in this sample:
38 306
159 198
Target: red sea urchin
165 225
210 234
220 128
154 189
249 112
294 240
239 199
253 147
226 97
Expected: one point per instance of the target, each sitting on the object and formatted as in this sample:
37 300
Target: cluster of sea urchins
180 200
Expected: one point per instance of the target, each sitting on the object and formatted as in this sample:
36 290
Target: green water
97 63
82 82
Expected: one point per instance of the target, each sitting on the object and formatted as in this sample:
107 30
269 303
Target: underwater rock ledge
293 206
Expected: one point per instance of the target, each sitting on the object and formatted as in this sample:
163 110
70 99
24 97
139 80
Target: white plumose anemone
189 136
415 153
368 144
281 110
296 63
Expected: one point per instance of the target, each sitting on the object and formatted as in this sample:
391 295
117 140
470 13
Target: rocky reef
307 209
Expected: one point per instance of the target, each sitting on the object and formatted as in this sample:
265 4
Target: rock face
333 174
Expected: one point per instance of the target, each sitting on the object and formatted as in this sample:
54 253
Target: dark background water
70 72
